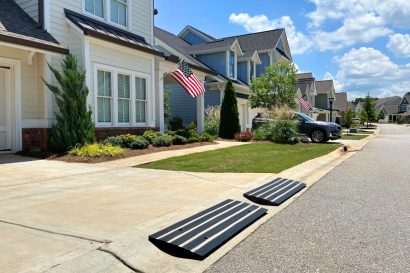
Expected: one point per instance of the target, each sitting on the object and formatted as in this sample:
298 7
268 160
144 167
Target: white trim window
104 97
119 12
124 98
95 7
140 100
231 64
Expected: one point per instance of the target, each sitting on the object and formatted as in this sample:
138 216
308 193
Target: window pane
99 8
123 111
89 6
104 109
140 89
107 84
140 111
123 86
122 14
114 11
100 80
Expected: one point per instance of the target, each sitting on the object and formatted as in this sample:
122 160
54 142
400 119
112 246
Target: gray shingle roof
391 109
221 43
16 26
407 97
341 102
304 88
303 76
110 33
323 87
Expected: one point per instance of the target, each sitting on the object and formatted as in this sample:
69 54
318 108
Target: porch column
200 113
159 80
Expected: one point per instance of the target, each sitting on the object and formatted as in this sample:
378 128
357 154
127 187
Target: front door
5 110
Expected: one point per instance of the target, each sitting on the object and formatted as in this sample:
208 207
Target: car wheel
318 136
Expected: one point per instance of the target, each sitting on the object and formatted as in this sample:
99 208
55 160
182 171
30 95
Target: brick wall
34 138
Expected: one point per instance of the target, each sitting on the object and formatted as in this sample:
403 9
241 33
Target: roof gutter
33 44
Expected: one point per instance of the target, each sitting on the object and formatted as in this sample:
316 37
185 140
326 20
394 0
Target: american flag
184 76
304 103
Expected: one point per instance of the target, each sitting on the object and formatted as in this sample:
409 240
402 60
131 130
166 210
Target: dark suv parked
318 131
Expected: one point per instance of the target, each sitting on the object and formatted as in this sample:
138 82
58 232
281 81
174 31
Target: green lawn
251 158
354 137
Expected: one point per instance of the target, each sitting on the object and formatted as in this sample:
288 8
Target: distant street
356 219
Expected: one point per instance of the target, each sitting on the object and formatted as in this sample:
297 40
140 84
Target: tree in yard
74 123
381 116
363 117
370 108
348 117
229 123
274 88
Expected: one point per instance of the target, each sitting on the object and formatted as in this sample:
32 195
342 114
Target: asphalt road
356 219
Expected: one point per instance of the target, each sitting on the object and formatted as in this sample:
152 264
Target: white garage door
5 124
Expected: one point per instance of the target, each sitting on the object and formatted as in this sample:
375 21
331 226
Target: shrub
212 120
243 136
140 144
229 123
74 123
400 120
194 139
264 131
150 135
96 150
176 123
162 141
284 131
184 133
206 138
192 126
179 140
171 133
123 141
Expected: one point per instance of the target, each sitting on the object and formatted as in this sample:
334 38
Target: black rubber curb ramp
201 234
275 192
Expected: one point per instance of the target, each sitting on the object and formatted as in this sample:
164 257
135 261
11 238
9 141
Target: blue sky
364 45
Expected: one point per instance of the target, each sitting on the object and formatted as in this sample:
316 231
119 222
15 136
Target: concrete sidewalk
70 217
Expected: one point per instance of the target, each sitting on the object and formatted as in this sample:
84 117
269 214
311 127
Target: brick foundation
34 138
103 133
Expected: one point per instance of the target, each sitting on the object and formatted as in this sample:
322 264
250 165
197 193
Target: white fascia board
189 28
255 58
209 51
31 49
237 46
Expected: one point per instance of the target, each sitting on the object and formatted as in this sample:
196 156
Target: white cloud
399 44
366 69
299 43
339 87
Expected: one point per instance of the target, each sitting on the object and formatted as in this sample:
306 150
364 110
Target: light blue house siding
183 105
216 61
260 68
243 71
193 39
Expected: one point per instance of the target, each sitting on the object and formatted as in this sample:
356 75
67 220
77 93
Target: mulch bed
127 153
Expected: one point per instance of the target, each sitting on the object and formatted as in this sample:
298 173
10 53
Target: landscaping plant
74 124
243 136
96 150
176 123
369 107
179 140
206 138
264 131
285 128
348 117
150 135
162 141
212 120
123 141
229 123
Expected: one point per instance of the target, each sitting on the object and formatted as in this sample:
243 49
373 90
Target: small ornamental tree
229 123
363 117
370 109
274 88
381 116
74 123
348 117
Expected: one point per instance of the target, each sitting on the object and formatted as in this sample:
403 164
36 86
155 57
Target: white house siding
142 19
102 53
30 7
32 88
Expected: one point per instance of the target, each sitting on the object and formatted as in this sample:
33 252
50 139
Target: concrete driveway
52 212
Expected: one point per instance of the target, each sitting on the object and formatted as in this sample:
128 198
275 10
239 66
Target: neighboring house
341 106
390 107
307 86
404 107
325 90
359 108
238 58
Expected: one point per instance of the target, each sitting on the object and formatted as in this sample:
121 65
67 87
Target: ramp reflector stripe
275 192
199 235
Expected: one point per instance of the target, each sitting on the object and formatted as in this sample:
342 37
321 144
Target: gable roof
304 76
17 27
180 45
106 32
323 87
406 97
341 102
196 31
391 109
395 100
222 44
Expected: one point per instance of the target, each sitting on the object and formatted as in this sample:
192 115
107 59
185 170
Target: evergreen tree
74 123
363 117
348 117
229 123
370 108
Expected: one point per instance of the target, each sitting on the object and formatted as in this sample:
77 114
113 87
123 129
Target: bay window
104 96
95 7
124 97
140 100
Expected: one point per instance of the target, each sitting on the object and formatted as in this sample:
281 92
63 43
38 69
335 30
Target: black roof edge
33 44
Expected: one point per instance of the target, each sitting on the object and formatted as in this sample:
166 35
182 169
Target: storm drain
275 192
201 234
